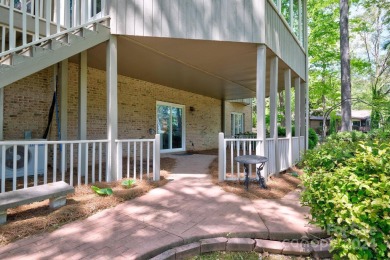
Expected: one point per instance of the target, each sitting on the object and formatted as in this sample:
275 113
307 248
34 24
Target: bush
350 198
313 138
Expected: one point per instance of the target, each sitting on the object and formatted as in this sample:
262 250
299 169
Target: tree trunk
345 68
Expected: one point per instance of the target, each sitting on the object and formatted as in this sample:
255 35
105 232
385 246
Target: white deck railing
140 158
31 163
283 153
26 22
229 148
235 147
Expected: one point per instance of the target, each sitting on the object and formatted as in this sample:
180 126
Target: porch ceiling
222 70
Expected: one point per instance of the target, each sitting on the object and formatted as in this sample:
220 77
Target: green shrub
313 138
327 156
351 201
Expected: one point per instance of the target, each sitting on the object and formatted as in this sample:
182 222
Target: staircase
49 49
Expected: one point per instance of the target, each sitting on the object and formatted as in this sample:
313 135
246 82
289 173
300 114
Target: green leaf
128 183
103 191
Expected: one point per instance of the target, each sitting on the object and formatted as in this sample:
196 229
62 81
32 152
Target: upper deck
245 21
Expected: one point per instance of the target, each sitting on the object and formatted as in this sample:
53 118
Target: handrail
19 142
53 36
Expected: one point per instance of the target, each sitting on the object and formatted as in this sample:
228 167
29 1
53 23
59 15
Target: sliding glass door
170 126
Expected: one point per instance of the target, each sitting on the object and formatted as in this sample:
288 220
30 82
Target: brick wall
27 104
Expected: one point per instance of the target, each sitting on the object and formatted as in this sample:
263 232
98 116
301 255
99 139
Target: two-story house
134 78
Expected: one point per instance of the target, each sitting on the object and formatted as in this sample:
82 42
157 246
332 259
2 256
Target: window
237 123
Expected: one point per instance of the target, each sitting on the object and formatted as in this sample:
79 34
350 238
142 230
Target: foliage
128 183
324 54
313 138
102 191
347 186
371 30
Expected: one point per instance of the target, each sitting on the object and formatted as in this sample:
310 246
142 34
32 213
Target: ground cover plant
347 186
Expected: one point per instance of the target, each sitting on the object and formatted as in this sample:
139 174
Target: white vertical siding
228 20
280 40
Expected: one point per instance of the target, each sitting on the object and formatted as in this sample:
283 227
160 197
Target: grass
37 217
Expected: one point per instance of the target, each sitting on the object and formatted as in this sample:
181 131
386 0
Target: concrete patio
188 208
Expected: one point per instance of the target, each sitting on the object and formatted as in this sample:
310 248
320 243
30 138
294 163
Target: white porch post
297 114
260 108
112 107
82 124
274 111
287 89
63 92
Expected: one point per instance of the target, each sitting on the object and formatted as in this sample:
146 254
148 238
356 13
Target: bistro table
253 159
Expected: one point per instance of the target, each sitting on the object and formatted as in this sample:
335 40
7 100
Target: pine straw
278 186
38 218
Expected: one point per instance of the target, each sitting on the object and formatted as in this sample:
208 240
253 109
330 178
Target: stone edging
318 250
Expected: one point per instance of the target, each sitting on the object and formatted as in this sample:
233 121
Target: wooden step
34 51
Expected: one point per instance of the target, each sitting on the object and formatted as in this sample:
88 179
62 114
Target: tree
372 63
324 55
345 68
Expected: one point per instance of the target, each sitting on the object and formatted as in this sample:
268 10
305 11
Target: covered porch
215 70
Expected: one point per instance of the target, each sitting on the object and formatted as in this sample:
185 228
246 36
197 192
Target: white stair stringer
32 60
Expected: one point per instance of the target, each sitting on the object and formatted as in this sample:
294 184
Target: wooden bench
55 192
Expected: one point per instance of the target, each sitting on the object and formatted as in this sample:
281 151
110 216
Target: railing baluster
41 9
14 166
3 28
94 8
135 161
48 16
45 165
71 165
58 15
231 159
36 20
148 158
3 169
32 8
100 162
35 165
67 18
11 30
24 22
128 160
79 150
93 161
54 163
25 165
141 159
103 7
238 165
63 163
86 163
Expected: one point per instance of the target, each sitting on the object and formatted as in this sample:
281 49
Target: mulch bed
37 217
